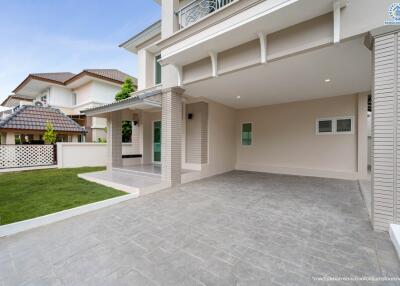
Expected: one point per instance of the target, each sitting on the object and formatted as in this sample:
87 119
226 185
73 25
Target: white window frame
334 125
252 133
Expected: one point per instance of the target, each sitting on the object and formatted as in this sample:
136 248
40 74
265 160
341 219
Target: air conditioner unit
40 103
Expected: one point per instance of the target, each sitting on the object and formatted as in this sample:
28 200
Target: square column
114 140
10 138
171 135
386 130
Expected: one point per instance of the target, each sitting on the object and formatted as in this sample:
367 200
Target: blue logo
394 13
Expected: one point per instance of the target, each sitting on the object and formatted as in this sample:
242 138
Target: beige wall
285 140
196 144
305 36
357 18
221 141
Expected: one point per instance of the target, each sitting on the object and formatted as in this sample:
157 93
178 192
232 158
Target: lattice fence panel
18 156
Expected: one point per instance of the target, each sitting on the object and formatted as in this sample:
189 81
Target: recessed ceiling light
238 97
327 80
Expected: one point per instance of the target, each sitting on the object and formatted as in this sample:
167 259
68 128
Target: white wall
104 92
285 140
72 155
60 96
84 93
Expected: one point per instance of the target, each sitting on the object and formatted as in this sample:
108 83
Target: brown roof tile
56 76
31 117
111 74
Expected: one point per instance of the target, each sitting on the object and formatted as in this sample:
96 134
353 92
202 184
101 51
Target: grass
25 195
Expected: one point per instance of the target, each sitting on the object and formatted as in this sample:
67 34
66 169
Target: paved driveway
235 229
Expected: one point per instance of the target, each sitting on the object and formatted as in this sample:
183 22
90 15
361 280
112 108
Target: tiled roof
56 76
65 78
111 74
13 100
31 117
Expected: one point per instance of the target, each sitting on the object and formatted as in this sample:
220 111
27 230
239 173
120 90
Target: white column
385 131
10 138
171 136
169 25
114 140
136 140
362 134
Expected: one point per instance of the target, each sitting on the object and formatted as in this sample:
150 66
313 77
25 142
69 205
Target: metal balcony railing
197 9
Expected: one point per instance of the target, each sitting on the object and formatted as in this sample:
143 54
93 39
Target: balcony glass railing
197 9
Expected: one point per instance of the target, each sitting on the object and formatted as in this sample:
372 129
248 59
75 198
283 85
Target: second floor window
157 70
74 98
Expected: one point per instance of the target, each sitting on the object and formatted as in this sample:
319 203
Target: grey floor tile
238 228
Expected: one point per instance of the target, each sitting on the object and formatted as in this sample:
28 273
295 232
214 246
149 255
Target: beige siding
197 71
197 133
171 132
385 132
239 57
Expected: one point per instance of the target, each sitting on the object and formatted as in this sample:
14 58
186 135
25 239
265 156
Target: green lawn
25 195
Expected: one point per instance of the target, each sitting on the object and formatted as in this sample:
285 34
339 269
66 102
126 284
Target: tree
126 89
49 136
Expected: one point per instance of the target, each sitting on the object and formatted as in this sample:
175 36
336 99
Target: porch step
138 172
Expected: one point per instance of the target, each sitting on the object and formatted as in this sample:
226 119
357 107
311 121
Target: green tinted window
158 70
247 134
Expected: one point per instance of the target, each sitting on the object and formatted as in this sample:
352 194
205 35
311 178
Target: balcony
198 9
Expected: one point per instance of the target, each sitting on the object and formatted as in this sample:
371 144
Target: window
325 126
157 70
247 134
73 98
343 125
338 125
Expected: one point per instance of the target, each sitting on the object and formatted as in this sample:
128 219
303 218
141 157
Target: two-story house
279 86
71 93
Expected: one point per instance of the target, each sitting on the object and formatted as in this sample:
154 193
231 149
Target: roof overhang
139 39
139 100
34 84
85 77
266 17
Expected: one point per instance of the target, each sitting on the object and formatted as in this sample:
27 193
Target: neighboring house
268 86
27 124
72 93
14 100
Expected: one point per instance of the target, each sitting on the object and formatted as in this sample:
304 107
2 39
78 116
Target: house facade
71 93
268 86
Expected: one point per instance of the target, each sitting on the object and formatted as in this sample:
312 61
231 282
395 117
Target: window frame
334 125
241 133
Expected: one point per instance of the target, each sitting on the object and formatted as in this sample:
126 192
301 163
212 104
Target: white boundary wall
71 155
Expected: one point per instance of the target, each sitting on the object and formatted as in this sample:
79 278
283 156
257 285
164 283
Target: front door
157 141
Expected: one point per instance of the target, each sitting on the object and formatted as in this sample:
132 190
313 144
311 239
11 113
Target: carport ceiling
348 66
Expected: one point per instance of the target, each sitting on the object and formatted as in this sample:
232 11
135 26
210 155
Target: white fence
21 156
72 155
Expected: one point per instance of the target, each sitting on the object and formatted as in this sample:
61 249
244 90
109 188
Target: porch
141 179
155 159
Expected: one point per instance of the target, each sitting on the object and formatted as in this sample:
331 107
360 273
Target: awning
146 99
